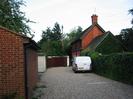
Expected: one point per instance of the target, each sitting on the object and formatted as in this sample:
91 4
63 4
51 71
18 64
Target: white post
41 63
67 61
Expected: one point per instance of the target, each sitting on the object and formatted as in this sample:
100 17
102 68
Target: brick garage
18 64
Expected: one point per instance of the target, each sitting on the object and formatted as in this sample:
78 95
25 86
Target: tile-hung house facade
93 38
18 64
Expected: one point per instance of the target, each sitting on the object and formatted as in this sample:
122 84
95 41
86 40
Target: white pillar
41 63
67 61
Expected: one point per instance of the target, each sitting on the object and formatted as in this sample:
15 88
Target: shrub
115 66
90 53
93 54
85 51
9 96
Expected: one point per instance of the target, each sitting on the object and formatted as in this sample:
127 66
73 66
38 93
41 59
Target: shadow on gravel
83 72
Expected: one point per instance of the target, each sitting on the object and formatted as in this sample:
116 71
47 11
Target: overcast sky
112 14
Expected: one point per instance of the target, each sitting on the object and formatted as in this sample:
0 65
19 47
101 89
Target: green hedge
115 66
92 54
9 96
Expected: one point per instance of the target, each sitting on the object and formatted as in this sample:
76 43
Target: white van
81 63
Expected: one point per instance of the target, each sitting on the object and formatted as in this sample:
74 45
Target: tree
47 35
52 41
74 34
126 37
131 12
57 33
53 34
70 37
12 18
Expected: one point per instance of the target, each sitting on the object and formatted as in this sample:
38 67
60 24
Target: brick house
92 38
18 64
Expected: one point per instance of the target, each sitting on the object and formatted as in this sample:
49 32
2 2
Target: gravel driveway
63 83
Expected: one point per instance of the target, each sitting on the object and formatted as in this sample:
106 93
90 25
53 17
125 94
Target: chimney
94 18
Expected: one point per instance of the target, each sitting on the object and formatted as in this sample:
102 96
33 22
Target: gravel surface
63 83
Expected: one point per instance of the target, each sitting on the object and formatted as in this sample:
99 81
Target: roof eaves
102 39
11 31
74 41
94 44
32 44
84 33
101 28
90 28
117 40
21 35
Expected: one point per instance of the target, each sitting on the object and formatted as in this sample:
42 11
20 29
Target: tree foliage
74 34
47 34
70 37
54 34
131 12
126 37
57 32
52 41
12 17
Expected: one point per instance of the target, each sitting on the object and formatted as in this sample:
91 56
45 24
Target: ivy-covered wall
109 45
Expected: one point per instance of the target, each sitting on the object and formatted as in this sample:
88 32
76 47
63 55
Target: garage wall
57 61
11 64
31 69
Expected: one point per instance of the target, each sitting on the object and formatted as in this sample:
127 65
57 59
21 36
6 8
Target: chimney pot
94 18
